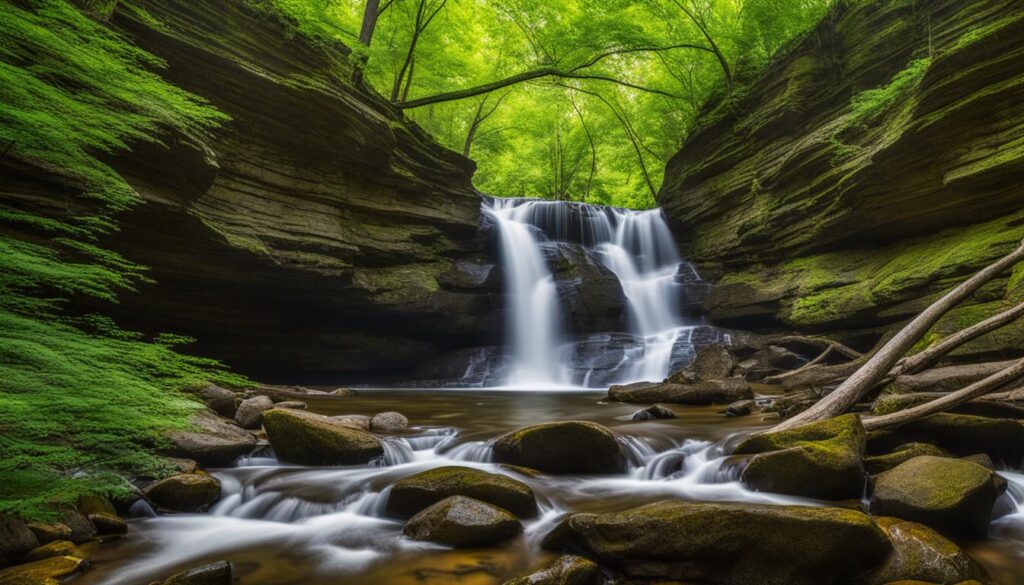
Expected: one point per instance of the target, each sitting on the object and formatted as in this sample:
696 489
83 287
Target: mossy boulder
45 572
16 539
653 413
412 494
952 496
57 548
185 492
218 573
728 543
562 447
214 441
712 362
311 439
250 411
94 504
920 553
818 460
108 524
389 422
963 434
695 393
49 531
463 522
879 463
81 529
565 570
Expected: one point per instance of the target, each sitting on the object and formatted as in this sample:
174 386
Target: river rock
57 548
108 524
463 522
250 411
879 463
186 492
45 572
95 504
653 412
81 529
920 553
712 362
952 496
293 404
220 400
356 421
46 532
963 434
389 422
311 439
819 460
740 408
16 539
706 392
343 392
218 573
565 570
411 494
562 447
216 442
728 543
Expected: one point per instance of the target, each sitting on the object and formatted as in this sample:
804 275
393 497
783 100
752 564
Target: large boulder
220 400
185 492
462 523
45 532
952 496
728 543
818 460
706 392
49 571
920 553
218 573
879 463
565 570
213 441
311 439
57 548
712 362
1000 438
17 539
389 422
411 494
250 411
562 447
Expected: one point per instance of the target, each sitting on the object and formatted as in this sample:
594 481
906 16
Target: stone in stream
879 463
49 571
57 548
819 460
952 496
1000 438
293 404
653 412
728 543
108 524
220 400
185 492
218 573
696 393
412 494
463 522
389 422
562 447
921 554
47 532
713 362
311 439
740 408
356 421
81 529
565 570
250 411
216 442
16 539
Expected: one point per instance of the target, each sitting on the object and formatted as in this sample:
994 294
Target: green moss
868 105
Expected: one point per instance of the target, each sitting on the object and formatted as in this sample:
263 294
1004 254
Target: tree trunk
370 15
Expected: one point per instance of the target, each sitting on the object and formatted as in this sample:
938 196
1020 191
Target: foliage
867 105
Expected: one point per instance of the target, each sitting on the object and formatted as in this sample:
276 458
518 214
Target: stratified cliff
876 163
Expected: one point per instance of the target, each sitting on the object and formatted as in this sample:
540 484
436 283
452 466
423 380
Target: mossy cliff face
314 231
874 165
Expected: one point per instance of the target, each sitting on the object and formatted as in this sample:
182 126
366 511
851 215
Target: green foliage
868 105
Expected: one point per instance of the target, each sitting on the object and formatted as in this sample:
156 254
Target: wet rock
108 524
45 572
311 439
818 460
565 570
903 453
81 529
57 548
653 412
220 400
190 492
412 494
343 392
920 553
218 573
94 504
562 447
589 293
952 496
463 523
216 442
356 421
250 411
15 539
740 408
963 434
293 404
48 532
707 392
713 362
981 459
389 422
728 543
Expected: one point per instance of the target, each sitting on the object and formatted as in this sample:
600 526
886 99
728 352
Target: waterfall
636 246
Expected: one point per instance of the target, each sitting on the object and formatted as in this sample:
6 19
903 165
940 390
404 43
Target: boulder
17 539
952 496
463 523
57 548
95 504
293 404
45 572
250 411
565 570
728 543
879 463
389 422
740 408
653 412
412 494
920 553
707 392
108 524
311 439
562 447
963 434
214 442
46 532
713 362
356 421
218 573
81 529
186 492
819 460
220 400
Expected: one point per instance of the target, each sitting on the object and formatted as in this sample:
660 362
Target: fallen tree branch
815 341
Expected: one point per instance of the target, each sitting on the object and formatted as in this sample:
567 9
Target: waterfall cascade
637 247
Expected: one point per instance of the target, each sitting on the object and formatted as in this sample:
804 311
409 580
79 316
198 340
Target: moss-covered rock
705 392
654 412
312 439
562 447
49 531
879 463
186 492
108 524
57 548
218 573
728 544
94 504
1001 439
215 441
819 460
411 494
463 523
922 554
952 496
565 570
45 572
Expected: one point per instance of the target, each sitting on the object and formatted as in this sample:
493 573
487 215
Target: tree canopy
569 99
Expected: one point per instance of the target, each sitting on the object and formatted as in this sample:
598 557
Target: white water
636 246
